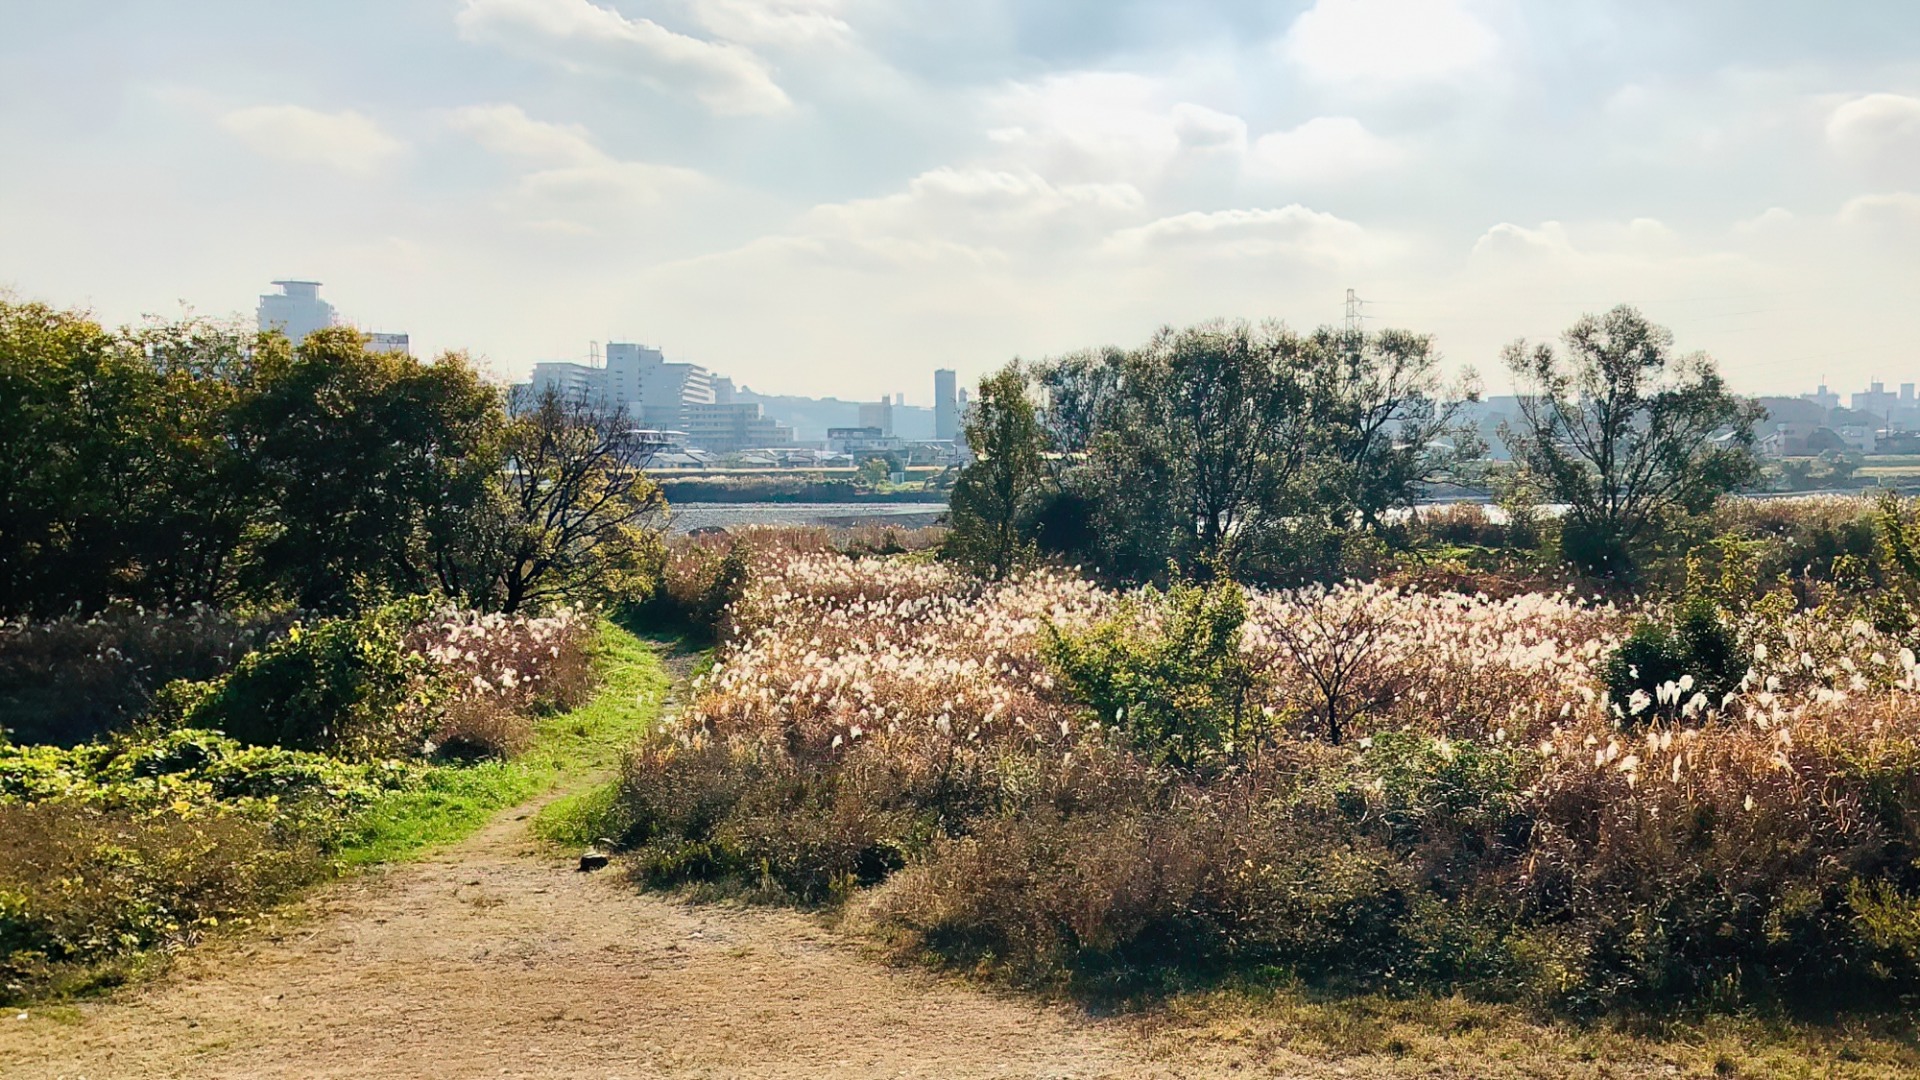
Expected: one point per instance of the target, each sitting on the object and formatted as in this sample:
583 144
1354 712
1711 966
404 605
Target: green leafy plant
1696 649
349 687
1179 690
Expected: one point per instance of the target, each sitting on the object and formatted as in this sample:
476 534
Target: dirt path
495 958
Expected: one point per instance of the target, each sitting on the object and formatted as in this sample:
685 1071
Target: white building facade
296 310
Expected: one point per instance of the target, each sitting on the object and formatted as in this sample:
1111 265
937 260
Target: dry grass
70 679
501 673
1488 821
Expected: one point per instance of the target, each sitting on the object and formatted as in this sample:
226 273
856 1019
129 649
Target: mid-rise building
389 343
862 441
734 426
652 390
569 379
946 404
878 415
296 310
1875 400
1824 397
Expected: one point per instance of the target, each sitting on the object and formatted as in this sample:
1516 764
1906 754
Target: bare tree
1338 640
576 516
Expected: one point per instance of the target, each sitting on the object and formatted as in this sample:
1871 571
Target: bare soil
498 959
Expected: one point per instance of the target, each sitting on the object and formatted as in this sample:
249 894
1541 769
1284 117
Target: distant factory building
877 415
389 343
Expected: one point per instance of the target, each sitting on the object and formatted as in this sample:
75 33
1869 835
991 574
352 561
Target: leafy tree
119 483
1391 427
1626 434
190 503
1079 388
994 496
573 516
874 471
1842 466
1200 458
363 456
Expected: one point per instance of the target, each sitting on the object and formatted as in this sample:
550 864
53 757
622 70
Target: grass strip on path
454 801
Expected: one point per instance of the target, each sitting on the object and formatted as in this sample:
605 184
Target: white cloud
1203 130
1388 44
1879 131
1769 220
508 131
575 188
608 184
1509 241
346 141
1898 210
978 214
1089 125
1322 150
775 23
585 36
1289 231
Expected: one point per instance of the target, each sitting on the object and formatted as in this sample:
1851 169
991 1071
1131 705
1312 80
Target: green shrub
348 687
1179 690
1696 640
701 578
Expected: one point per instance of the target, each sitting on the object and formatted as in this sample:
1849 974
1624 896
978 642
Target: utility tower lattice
1354 314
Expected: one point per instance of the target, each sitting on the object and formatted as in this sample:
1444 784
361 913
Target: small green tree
1181 691
1626 434
994 497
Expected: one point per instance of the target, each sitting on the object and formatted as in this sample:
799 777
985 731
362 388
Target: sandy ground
496 958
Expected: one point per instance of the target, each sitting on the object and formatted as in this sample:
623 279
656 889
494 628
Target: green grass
583 817
454 801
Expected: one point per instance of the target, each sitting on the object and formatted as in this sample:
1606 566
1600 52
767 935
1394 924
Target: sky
838 196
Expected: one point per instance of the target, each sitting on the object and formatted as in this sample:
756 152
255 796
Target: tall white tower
296 310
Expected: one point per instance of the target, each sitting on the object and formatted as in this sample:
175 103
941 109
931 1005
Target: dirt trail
495 958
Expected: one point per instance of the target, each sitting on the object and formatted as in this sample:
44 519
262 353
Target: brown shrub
1493 823
501 673
70 679
81 885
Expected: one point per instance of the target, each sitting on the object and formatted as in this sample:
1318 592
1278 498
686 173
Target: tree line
188 462
1255 452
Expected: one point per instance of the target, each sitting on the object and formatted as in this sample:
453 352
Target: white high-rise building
653 391
296 310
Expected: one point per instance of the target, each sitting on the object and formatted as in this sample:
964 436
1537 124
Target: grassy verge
454 801
580 817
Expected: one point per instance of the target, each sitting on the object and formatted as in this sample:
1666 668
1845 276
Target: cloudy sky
837 196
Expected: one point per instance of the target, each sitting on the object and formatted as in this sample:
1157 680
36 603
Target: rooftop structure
296 310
